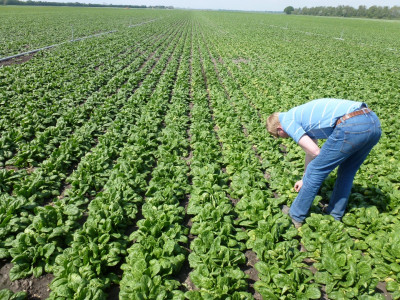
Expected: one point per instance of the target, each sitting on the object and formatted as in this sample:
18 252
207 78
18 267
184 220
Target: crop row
145 159
27 28
216 251
118 128
157 253
54 114
257 209
84 267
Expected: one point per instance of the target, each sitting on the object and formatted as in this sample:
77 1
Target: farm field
136 164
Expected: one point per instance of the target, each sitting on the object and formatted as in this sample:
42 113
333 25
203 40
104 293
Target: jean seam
346 140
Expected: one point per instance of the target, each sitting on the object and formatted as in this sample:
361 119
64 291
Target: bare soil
37 288
17 60
251 260
188 159
65 187
234 201
14 168
381 288
184 278
184 275
113 292
241 60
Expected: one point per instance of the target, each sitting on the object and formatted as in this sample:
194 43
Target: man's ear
278 130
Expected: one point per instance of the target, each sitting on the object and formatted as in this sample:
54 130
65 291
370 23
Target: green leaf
349 219
262 267
395 267
322 277
75 280
58 282
5 294
313 292
242 236
71 210
4 253
37 272
64 291
282 281
392 286
364 268
169 247
265 290
193 295
19 271
155 267
340 259
48 250
58 231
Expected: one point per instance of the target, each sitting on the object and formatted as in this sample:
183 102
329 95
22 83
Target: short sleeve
291 127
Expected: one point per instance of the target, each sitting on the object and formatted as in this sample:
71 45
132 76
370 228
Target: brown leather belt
364 110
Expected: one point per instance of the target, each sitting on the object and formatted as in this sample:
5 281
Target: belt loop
364 111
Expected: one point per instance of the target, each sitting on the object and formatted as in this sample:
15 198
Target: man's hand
298 185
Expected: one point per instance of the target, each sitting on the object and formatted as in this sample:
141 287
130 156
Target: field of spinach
136 165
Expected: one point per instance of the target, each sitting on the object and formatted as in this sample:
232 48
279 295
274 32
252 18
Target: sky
258 5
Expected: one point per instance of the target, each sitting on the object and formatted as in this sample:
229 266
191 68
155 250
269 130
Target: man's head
274 126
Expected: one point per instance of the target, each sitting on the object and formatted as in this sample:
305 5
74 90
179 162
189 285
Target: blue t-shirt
316 118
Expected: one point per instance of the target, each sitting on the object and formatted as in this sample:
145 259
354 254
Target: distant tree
395 12
288 10
377 12
362 11
373 12
385 12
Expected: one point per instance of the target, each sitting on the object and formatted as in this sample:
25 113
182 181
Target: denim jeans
347 147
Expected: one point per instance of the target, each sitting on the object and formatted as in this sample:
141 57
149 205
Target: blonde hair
273 124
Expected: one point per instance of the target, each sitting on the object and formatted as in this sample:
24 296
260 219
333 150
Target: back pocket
354 140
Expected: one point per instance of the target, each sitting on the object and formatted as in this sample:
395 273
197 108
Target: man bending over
350 128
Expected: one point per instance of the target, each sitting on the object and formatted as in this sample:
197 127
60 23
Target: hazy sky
272 5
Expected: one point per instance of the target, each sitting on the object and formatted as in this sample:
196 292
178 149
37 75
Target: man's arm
311 149
310 155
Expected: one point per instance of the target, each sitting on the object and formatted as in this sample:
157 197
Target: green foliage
146 151
288 10
6 294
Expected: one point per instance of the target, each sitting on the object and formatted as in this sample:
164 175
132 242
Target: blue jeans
347 147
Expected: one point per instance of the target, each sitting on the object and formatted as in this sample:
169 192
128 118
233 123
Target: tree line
375 12
43 3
